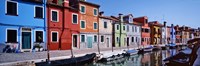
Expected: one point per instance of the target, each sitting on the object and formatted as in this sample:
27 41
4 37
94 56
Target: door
89 42
75 41
108 42
127 41
26 40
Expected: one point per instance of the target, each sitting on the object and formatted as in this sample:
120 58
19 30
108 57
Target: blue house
22 24
172 33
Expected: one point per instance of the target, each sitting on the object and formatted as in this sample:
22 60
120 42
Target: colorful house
173 36
89 25
164 33
119 33
168 34
105 30
184 34
178 34
156 32
145 31
133 32
22 24
55 25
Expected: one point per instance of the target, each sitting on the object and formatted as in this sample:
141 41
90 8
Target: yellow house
156 31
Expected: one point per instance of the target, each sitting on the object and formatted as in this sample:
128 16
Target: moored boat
131 52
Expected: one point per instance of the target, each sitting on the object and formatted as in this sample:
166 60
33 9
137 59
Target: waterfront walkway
13 58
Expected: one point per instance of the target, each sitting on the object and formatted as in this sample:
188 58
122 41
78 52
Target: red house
63 24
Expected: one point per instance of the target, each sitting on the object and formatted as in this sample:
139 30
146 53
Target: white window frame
93 25
85 9
10 1
81 23
117 39
35 10
106 24
73 18
52 35
97 38
35 35
57 15
124 27
7 34
93 11
76 39
118 26
81 38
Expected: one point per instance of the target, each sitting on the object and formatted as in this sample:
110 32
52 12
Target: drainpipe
121 19
98 31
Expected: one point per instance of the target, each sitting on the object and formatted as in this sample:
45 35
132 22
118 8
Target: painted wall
23 19
172 37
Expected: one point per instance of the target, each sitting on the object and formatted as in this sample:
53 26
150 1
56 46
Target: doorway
75 41
108 42
26 38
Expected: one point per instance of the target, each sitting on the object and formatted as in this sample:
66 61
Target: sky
177 12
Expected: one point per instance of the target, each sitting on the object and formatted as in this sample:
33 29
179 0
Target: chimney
101 13
121 17
165 23
66 3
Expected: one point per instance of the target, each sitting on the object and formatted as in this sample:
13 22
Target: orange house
145 29
89 24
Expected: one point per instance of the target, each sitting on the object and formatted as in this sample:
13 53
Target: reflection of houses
22 24
89 25
133 31
145 31
105 30
155 34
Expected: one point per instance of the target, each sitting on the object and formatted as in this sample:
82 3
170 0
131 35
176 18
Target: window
82 38
127 28
118 40
54 16
143 39
105 25
95 38
117 27
132 39
95 12
83 9
54 36
136 39
39 36
74 18
124 28
102 38
11 8
11 36
83 24
132 28
95 26
135 29
38 12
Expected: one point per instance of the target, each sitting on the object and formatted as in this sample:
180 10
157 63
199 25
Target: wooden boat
70 62
131 52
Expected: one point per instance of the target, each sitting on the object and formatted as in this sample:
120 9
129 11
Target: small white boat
131 52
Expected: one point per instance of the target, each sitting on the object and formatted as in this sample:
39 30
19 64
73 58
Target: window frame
73 18
7 6
7 34
57 15
94 38
84 38
96 11
106 24
81 24
52 36
35 11
101 39
42 35
81 9
94 26
117 26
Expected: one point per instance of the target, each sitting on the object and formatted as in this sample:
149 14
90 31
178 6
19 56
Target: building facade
145 30
178 34
22 24
164 33
184 34
89 25
105 31
172 35
156 32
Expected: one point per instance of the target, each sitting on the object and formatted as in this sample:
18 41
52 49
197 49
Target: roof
89 3
155 23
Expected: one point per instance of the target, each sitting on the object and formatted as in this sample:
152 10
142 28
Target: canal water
154 58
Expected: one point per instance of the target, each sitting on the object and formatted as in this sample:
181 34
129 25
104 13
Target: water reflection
147 59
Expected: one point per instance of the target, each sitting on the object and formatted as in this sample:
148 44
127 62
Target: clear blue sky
182 12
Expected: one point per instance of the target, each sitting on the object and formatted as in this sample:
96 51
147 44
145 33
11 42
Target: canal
154 58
